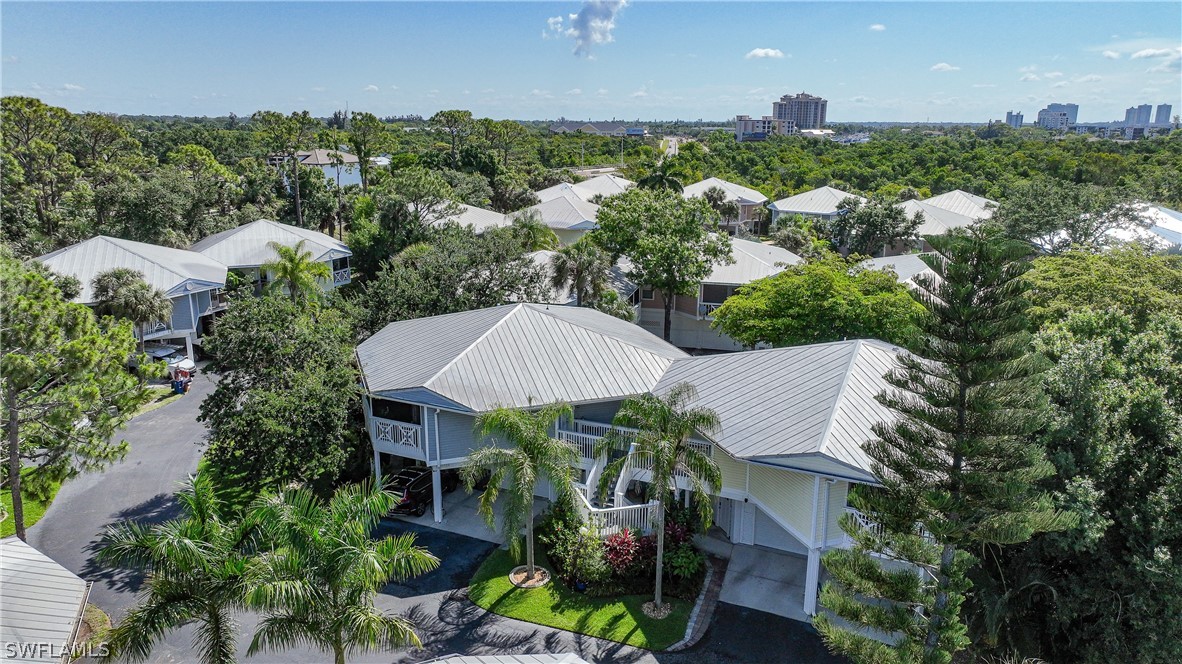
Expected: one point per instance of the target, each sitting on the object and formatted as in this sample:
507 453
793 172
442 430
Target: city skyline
599 59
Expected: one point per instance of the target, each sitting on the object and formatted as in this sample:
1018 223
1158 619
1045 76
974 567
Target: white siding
771 534
786 495
837 495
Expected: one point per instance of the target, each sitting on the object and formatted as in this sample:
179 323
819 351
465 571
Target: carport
766 580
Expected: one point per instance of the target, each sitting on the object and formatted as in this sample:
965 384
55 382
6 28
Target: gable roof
822 200
734 192
906 266
752 260
815 407
564 189
514 355
567 213
246 245
964 203
323 157
479 218
43 601
174 271
601 185
936 220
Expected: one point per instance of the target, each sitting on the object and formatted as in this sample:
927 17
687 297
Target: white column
377 467
437 493
811 576
189 346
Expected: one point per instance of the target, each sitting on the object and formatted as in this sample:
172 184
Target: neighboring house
569 216
193 281
41 606
964 203
589 190
339 167
690 325
617 281
792 420
1159 227
479 218
906 266
749 200
246 249
820 204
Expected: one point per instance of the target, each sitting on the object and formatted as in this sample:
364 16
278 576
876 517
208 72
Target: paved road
165 447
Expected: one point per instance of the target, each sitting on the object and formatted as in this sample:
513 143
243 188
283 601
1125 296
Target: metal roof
734 192
246 245
515 355
906 266
323 157
616 278
567 213
601 185
964 203
40 601
174 271
565 189
804 406
936 220
544 658
479 218
822 200
752 260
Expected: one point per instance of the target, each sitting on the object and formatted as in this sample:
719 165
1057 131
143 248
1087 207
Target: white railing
582 432
398 433
609 521
875 528
342 277
706 309
584 442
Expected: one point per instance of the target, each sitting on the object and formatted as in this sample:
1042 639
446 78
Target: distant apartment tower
1014 119
758 129
1048 119
1072 111
1163 114
804 110
1138 116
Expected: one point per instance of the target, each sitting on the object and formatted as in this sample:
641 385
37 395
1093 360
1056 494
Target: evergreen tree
956 466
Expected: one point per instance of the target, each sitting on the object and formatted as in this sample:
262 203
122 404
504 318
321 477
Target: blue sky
600 59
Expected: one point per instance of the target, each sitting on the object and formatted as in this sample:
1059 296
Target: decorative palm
581 269
535 234
294 269
123 293
663 176
195 567
317 584
665 426
534 454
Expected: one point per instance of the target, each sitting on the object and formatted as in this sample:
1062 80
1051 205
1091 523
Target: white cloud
1028 68
642 92
1053 74
318 89
370 88
602 92
11 59
1060 84
754 91
72 87
1029 77
592 26
541 94
878 27
574 91
859 100
1155 53
757 53
1111 55
1170 66
1088 78
944 66
393 87
984 85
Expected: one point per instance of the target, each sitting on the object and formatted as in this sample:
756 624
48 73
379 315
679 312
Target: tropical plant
295 271
663 177
581 269
316 584
532 455
123 293
665 425
958 472
194 566
535 234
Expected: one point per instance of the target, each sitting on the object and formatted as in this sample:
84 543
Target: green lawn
34 510
554 605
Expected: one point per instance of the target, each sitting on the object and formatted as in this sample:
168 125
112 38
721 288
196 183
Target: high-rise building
1072 111
804 110
1014 119
758 129
1138 116
1163 114
1048 119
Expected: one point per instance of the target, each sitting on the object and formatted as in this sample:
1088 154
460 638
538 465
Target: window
646 293
339 264
716 293
397 410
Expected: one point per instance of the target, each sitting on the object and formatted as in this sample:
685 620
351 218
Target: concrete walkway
461 516
766 580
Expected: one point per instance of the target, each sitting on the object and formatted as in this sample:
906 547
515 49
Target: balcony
400 438
342 277
706 310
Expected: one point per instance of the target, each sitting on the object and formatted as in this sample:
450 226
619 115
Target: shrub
684 561
620 551
586 562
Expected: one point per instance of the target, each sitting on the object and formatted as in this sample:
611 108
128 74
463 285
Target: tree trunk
295 169
660 551
668 329
338 653
14 464
941 600
529 540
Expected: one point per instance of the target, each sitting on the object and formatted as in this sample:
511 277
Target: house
820 204
906 266
339 167
964 203
616 280
569 216
480 219
789 445
1159 227
936 220
194 282
41 604
690 324
749 200
246 249
591 190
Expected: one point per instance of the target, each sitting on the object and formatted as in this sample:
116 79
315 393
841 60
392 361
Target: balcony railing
586 434
398 434
706 309
341 277
609 521
873 527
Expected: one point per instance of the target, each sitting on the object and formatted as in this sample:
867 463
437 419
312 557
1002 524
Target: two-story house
247 248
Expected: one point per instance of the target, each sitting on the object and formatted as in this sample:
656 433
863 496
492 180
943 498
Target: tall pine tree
956 469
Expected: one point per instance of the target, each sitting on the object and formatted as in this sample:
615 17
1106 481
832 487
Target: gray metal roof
568 212
324 157
40 601
936 220
964 203
565 189
616 279
246 245
734 192
822 200
543 658
479 218
601 185
906 266
752 260
808 407
174 271
515 355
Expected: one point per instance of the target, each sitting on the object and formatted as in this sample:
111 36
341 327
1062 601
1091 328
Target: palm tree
294 269
665 424
663 176
123 293
194 566
317 583
535 234
534 454
582 270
